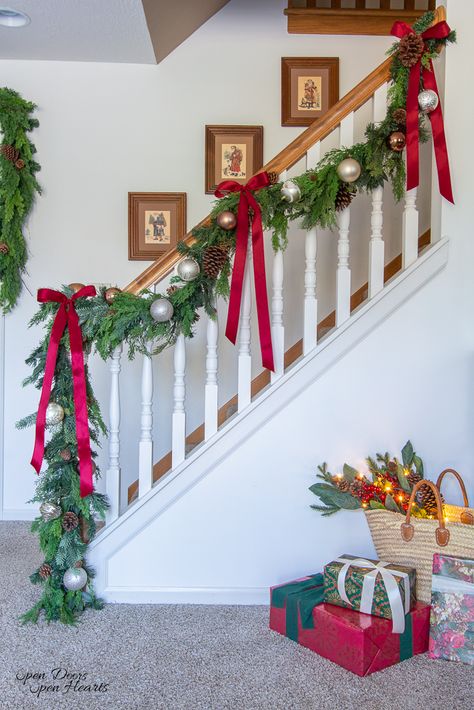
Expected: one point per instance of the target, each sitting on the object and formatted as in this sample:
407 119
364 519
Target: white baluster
376 244
343 276
379 105
245 359
346 131
113 472
313 156
410 229
278 330
211 390
145 447
178 451
310 300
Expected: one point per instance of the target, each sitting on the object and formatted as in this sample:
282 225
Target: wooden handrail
290 155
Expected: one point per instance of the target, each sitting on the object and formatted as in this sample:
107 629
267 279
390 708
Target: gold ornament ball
94 468
54 414
349 170
396 141
188 269
65 454
226 220
428 100
49 511
76 286
110 294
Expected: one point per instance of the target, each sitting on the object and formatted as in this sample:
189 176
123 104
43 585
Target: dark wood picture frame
217 137
163 214
326 69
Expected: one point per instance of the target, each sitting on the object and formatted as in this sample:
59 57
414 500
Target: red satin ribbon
247 201
66 317
438 31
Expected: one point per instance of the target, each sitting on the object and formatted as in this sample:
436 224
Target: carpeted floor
188 657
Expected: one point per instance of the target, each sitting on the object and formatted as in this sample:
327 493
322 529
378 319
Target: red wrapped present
358 642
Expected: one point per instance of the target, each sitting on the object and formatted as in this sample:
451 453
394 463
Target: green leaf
407 454
333 497
390 504
349 472
402 478
376 505
418 465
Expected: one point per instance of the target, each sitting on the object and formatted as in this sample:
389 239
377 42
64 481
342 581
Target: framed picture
309 87
156 222
232 153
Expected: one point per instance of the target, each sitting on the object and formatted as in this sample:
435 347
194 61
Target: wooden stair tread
263 379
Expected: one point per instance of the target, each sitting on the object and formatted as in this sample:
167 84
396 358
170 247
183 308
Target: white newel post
410 229
245 358
376 244
178 449
310 299
343 276
112 483
145 447
211 389
278 330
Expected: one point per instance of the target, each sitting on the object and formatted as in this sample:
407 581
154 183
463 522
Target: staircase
128 540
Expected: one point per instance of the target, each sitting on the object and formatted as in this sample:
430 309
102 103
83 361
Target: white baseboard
187 595
19 514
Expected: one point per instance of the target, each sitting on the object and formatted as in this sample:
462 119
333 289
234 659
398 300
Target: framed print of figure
232 153
309 87
156 222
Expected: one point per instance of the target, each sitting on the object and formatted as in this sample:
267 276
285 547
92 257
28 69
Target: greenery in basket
388 485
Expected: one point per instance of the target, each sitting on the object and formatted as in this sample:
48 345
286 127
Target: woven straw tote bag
413 541
456 513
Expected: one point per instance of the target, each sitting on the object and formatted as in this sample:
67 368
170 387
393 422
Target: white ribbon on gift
368 588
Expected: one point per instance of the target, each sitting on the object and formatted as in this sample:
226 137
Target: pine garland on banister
112 318
19 185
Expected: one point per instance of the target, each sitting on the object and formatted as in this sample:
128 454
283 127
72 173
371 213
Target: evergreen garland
18 182
128 320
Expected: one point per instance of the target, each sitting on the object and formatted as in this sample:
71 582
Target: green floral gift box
372 587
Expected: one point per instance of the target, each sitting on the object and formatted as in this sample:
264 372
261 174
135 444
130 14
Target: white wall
107 129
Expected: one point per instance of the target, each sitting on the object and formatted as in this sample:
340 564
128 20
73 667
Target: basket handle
441 533
460 481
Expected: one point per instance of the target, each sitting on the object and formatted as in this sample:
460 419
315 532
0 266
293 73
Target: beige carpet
190 657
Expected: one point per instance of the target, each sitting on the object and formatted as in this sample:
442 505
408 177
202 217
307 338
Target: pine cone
414 478
213 260
70 521
341 483
171 289
4 248
344 198
45 571
410 49
19 164
400 116
65 454
273 177
9 152
356 487
426 499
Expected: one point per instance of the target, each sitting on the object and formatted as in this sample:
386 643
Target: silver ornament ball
188 269
74 578
54 414
49 511
348 170
161 310
290 192
428 100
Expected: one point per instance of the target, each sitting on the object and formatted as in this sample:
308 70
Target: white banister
211 389
145 447
346 131
278 329
313 156
112 483
379 105
178 449
410 229
376 244
310 325
244 386
343 276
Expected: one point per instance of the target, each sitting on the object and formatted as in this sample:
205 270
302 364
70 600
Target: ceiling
103 30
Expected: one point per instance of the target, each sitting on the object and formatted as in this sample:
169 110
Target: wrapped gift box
358 642
452 609
369 587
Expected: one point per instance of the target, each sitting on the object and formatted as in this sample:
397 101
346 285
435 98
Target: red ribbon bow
438 31
247 201
66 317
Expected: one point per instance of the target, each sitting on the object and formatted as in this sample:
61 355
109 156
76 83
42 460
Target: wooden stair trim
290 155
291 355
346 21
